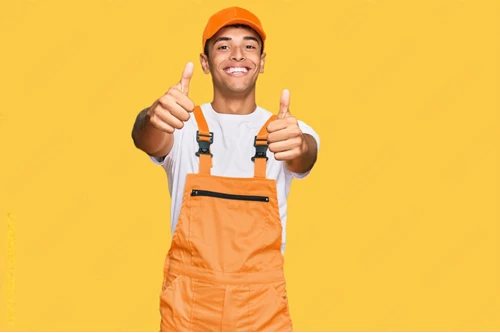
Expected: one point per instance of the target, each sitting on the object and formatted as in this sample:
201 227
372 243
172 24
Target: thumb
186 77
284 104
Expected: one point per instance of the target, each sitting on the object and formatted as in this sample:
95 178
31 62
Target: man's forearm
306 160
150 139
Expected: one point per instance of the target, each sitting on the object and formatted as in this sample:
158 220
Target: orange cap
229 16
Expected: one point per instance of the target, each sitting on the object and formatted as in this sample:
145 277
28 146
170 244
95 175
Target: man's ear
262 62
204 63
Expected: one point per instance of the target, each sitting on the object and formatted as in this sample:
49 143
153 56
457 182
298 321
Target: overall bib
224 269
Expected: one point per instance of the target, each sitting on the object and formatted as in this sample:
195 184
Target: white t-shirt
232 150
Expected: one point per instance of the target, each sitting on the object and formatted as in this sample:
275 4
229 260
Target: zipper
199 193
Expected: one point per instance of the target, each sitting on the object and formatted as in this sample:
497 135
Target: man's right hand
170 111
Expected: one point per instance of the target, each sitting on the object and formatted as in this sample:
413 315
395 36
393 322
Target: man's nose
237 54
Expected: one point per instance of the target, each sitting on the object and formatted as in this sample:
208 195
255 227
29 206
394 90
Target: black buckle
204 145
260 150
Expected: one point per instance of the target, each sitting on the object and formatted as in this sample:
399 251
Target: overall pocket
229 229
176 303
269 310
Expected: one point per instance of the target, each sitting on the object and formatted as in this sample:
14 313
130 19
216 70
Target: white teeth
237 70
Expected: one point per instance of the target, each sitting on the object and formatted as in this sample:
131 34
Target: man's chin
241 87
238 89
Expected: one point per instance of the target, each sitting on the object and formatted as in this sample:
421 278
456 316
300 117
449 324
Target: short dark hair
205 51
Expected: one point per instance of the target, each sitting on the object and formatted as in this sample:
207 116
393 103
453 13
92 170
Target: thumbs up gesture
285 137
171 110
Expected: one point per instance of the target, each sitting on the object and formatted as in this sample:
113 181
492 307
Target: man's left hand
285 137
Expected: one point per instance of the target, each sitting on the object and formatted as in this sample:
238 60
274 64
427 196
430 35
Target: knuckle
169 97
175 94
163 98
172 90
158 110
153 120
162 103
181 114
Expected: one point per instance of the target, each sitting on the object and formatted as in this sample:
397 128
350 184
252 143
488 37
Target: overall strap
260 144
204 138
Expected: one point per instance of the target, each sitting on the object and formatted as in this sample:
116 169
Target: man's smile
236 71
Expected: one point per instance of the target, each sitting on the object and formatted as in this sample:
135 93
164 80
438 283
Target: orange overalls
224 269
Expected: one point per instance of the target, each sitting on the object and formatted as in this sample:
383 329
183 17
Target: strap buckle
260 149
204 145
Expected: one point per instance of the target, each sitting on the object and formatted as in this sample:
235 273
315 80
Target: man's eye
250 47
223 47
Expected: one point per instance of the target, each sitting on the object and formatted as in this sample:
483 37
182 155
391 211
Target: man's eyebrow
220 39
251 38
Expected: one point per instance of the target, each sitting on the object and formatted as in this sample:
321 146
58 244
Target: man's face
234 60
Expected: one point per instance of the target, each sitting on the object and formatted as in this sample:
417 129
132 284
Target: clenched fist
285 137
170 111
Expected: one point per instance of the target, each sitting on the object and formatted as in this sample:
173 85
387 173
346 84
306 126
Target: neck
243 103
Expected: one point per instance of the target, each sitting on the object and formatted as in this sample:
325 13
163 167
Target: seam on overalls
179 224
192 304
283 297
222 309
190 227
250 328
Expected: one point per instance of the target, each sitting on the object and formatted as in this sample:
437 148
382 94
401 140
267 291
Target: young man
229 165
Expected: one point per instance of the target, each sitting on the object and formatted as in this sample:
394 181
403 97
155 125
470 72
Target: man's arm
306 160
154 127
150 139
286 140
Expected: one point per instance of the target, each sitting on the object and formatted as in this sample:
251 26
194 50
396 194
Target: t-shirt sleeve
306 129
158 160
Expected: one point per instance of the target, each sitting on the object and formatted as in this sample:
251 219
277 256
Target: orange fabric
200 120
204 135
224 269
228 16
261 139
262 135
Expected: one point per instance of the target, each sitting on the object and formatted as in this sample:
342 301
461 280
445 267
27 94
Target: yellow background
397 228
